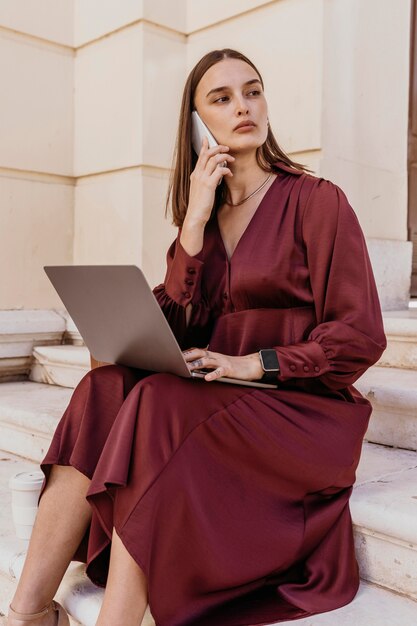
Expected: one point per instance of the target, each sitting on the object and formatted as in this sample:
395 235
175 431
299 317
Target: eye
257 92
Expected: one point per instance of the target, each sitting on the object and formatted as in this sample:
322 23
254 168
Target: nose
241 107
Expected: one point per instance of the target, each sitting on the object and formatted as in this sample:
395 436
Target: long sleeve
349 336
182 286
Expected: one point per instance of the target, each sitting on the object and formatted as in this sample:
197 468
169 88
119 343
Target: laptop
120 319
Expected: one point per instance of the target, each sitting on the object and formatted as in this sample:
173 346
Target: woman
224 504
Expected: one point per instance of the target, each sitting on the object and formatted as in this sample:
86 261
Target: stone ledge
372 606
384 511
33 406
401 331
22 321
29 414
384 497
389 386
72 334
388 507
389 563
393 395
62 365
20 331
391 264
380 462
401 322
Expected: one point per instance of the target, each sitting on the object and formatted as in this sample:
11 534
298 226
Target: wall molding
34 176
230 18
35 40
140 21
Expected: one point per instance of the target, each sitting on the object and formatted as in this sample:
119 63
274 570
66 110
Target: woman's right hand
204 180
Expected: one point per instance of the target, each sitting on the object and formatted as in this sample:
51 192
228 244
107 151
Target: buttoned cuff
301 360
184 280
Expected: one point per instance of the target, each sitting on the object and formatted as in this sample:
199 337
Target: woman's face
224 98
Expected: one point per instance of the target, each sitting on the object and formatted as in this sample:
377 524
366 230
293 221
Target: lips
245 123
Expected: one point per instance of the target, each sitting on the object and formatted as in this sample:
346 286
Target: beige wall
96 18
127 98
36 148
47 20
365 109
91 107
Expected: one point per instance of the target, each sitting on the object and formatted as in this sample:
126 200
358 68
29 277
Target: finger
189 351
221 171
218 147
204 144
218 161
197 363
217 373
195 352
203 361
192 356
206 152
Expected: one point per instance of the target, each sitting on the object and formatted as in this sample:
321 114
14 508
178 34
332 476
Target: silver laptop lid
118 316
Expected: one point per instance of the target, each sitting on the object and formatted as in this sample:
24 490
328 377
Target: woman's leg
61 521
126 595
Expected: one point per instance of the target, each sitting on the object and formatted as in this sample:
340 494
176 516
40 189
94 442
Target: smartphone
198 131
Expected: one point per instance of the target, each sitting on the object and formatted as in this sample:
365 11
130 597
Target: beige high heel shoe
63 619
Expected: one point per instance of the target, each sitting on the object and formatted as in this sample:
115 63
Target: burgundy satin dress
235 500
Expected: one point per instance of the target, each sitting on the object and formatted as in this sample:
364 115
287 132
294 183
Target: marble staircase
383 504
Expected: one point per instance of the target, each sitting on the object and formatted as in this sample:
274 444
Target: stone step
401 332
7 587
383 505
63 365
29 414
384 514
72 334
20 331
372 606
393 395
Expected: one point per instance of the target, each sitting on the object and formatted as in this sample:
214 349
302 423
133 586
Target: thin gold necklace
252 194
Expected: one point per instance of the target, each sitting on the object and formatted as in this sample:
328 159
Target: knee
158 385
101 392
106 371
108 375
95 403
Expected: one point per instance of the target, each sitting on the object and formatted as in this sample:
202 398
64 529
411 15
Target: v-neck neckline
252 219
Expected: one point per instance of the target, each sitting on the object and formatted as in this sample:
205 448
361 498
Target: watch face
269 360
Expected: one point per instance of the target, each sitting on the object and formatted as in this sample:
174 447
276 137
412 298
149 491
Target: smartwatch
270 365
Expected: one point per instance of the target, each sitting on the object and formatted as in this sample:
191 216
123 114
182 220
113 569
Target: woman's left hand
246 367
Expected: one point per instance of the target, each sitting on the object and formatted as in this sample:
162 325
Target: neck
247 176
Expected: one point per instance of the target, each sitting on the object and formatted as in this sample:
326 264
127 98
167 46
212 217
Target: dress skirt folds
235 500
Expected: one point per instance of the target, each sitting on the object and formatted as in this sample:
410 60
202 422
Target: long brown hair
185 159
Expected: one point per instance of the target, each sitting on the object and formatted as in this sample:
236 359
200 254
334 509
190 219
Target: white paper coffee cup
25 487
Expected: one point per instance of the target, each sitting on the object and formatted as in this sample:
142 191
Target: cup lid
27 480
